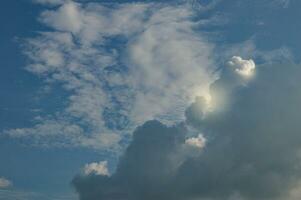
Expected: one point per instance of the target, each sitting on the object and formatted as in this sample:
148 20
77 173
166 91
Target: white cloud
4 183
67 18
170 65
198 142
243 67
91 22
164 63
100 168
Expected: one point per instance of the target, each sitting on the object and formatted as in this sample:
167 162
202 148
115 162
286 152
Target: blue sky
78 77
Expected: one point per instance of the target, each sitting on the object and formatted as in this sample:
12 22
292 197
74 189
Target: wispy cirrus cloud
121 64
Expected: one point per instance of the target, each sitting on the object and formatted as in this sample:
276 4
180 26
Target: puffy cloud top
100 168
242 67
198 142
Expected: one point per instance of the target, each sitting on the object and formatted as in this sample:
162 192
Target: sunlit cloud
100 168
242 67
197 142
5 183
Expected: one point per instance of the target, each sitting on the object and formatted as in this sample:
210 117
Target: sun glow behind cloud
218 99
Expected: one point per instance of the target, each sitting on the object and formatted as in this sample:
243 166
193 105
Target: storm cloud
252 148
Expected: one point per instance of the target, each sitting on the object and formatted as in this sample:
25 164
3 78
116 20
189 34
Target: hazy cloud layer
252 150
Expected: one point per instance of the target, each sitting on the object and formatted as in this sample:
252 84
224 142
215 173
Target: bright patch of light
209 103
208 99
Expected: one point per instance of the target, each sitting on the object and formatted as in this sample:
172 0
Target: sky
150 100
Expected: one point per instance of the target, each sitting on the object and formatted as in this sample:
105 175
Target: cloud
16 194
4 183
282 3
148 164
248 49
179 63
242 67
198 142
252 150
119 66
204 6
97 168
49 2
59 133
67 18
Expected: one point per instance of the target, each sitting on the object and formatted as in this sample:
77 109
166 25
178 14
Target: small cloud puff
100 168
4 183
197 142
243 67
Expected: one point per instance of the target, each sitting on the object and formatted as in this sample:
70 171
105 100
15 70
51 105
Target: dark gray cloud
145 170
252 153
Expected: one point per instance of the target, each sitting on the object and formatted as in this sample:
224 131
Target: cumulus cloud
252 150
158 63
100 168
147 166
198 142
4 183
242 67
